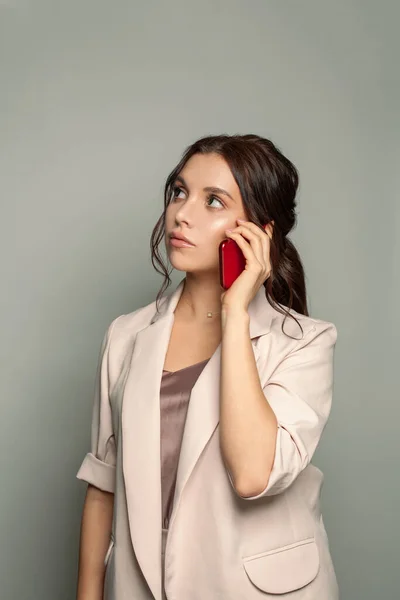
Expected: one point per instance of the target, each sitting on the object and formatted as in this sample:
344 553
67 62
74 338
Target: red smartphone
231 262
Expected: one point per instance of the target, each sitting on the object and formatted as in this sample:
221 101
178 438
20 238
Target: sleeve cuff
97 473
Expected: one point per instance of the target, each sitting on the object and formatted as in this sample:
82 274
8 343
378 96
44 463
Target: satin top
175 392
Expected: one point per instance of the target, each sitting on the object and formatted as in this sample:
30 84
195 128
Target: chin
182 259
181 264
187 266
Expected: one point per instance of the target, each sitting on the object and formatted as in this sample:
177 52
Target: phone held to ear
231 262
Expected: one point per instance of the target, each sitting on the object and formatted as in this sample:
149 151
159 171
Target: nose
187 212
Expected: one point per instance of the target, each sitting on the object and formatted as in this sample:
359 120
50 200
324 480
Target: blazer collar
140 428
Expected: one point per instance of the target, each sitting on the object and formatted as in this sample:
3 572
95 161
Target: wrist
234 314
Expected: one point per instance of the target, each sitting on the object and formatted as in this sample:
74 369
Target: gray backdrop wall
98 101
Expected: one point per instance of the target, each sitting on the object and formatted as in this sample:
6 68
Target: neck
200 296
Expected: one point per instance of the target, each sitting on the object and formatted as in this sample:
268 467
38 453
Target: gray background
98 100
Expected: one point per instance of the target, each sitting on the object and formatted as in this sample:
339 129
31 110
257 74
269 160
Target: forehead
207 170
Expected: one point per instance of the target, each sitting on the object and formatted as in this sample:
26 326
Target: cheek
213 234
219 225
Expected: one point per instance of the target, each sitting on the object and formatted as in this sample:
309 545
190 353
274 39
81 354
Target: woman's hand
255 245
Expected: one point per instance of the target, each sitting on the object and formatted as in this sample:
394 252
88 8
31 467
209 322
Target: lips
181 237
179 243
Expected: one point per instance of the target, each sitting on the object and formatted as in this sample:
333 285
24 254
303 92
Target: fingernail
240 220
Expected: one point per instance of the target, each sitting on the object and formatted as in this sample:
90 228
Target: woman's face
201 212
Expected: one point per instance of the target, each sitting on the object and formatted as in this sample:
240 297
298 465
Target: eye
175 191
217 199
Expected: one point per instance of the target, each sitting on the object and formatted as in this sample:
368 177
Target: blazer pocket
284 569
109 551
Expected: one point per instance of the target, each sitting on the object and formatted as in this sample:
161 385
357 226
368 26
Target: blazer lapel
141 440
141 427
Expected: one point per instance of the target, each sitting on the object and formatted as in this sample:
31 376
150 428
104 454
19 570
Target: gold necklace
210 314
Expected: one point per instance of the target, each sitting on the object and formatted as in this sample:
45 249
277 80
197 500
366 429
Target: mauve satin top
175 392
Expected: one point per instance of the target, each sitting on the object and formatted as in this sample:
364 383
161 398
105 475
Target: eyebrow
214 190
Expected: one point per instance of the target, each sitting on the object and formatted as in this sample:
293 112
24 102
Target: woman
209 404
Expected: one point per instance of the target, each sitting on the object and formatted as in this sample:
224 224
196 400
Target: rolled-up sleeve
300 394
98 466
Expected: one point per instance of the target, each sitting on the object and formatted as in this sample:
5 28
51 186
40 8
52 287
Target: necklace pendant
209 314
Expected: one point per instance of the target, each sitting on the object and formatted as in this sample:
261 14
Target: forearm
95 537
248 426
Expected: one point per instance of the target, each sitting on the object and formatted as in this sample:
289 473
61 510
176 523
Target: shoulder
289 334
296 349
127 325
299 326
119 338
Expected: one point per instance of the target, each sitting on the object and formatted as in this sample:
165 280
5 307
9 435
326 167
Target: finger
265 237
259 243
253 227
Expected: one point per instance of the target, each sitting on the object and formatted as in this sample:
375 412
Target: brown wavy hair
268 183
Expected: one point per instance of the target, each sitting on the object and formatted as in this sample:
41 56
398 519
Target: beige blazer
220 546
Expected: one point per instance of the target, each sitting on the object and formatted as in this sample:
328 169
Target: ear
268 227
